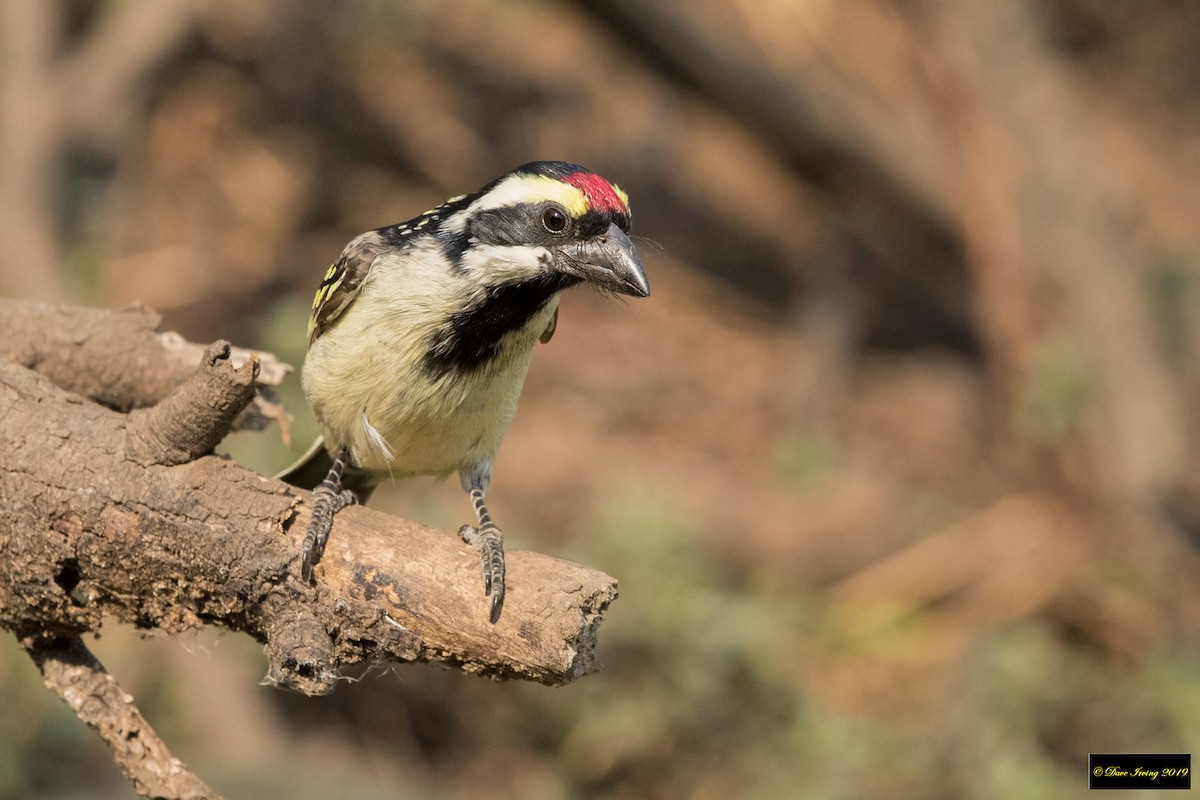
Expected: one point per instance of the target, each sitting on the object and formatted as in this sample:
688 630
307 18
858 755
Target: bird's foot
326 501
489 541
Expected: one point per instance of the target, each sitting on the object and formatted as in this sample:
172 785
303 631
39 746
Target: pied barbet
421 334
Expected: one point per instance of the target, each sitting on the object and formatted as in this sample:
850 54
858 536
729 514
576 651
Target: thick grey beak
610 262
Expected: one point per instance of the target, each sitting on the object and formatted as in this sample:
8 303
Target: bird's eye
554 219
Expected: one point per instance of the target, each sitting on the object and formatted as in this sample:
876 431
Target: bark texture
107 514
120 359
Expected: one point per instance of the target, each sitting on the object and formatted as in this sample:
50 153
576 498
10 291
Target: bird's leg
489 541
327 499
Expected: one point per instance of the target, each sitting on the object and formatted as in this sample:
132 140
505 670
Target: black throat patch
471 338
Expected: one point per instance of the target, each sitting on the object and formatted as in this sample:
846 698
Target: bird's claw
306 561
326 503
314 542
489 541
497 605
314 546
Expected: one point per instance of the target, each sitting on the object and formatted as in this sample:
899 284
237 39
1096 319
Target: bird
421 335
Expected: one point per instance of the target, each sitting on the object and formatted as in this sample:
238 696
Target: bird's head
545 221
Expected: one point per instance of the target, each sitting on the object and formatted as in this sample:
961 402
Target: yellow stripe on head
621 194
517 189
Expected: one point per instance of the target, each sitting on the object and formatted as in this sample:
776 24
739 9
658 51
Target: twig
194 418
71 671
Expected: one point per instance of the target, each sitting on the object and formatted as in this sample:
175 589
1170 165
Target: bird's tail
312 467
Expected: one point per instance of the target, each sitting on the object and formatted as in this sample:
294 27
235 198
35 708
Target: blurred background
897 467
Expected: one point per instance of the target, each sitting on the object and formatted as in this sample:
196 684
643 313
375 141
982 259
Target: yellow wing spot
333 279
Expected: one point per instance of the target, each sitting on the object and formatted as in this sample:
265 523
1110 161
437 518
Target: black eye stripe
513 225
526 224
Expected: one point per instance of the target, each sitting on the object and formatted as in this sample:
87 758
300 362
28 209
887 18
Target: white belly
366 380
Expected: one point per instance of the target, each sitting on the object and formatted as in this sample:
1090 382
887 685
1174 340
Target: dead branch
30 139
105 514
90 526
55 88
73 673
120 359
193 419
105 74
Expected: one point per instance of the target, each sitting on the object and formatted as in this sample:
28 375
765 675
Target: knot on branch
194 418
301 655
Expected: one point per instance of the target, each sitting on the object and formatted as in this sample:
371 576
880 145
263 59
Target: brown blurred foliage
898 466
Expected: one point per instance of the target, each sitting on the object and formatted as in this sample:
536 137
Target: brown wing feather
342 282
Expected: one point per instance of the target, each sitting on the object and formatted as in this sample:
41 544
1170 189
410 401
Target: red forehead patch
599 193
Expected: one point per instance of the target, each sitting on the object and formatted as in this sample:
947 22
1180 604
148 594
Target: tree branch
120 359
73 673
88 528
106 514
194 418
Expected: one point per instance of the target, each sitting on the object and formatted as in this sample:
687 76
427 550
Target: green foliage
701 668
1057 392
805 460
1171 287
